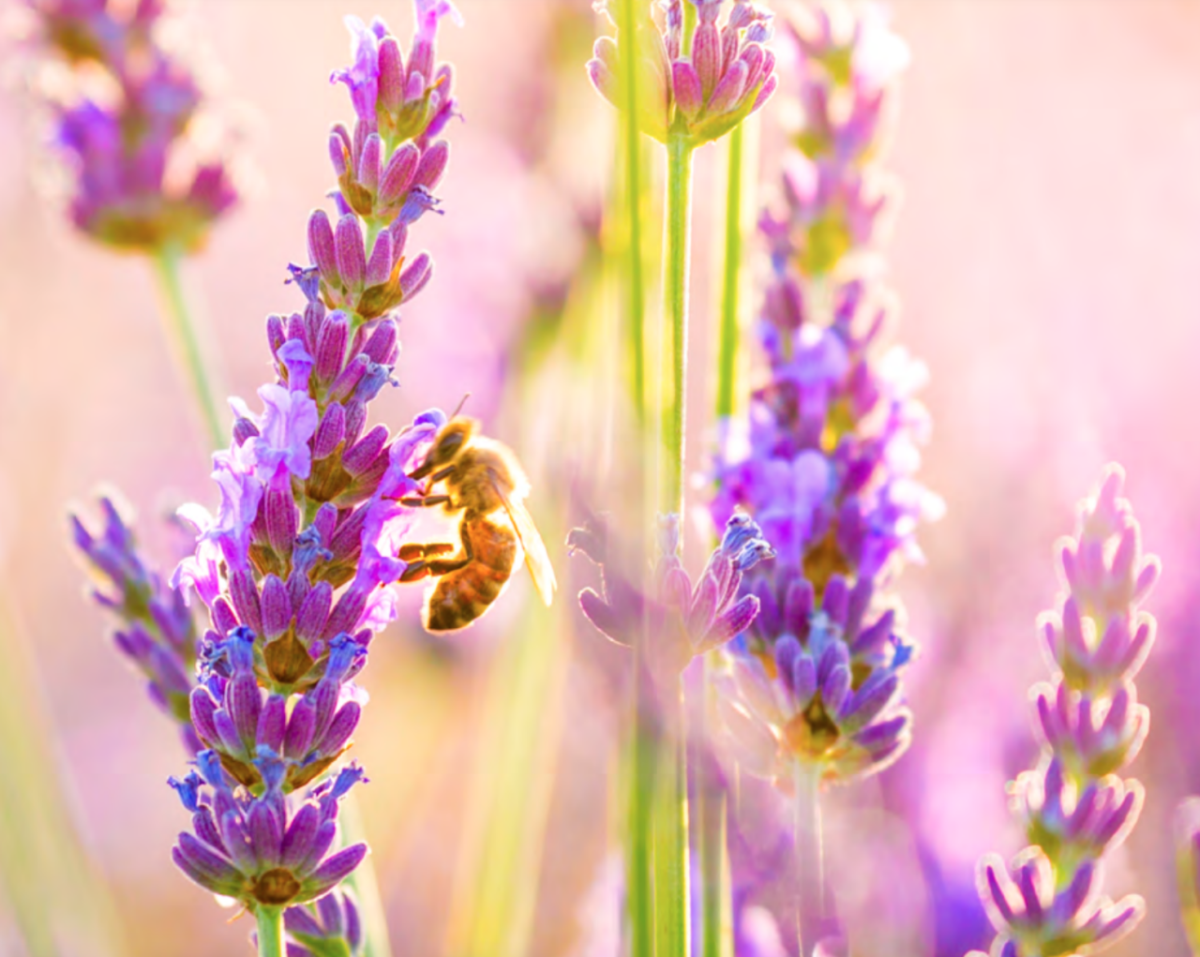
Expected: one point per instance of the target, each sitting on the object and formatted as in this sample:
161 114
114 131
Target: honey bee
484 485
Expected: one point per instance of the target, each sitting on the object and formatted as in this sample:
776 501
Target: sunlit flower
700 86
825 459
1075 806
122 143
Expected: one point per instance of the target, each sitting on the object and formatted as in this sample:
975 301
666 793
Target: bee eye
449 446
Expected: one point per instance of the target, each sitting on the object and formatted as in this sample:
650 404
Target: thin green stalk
1189 905
270 931
810 857
364 883
494 909
675 312
184 339
715 927
727 360
639 849
50 887
672 922
639 842
631 136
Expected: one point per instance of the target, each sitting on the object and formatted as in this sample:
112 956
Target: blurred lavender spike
1074 806
298 568
726 76
679 620
125 152
825 459
157 632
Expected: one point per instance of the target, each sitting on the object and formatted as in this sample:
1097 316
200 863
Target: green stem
810 857
49 887
270 931
364 883
640 836
1189 905
636 278
716 931
675 312
184 339
727 361
671 868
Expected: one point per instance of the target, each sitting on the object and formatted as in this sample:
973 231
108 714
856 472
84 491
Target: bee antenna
462 402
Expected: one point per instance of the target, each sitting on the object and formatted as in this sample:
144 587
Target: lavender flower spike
678 621
119 148
1075 806
825 460
726 76
298 569
156 631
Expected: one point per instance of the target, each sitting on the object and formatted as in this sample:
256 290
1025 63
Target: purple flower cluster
677 620
1075 806
139 183
816 685
702 85
298 568
263 848
157 632
825 459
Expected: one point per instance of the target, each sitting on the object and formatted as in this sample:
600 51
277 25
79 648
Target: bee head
453 437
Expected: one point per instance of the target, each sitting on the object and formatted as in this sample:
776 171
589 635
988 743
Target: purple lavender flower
726 76
825 458
1076 808
816 685
298 567
677 620
261 849
157 632
331 921
119 149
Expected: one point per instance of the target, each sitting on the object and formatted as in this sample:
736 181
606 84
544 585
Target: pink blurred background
1046 256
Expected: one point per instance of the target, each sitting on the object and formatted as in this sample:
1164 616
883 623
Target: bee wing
536 557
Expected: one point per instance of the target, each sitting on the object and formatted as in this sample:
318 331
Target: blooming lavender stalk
141 182
811 694
298 567
158 635
157 632
127 121
1075 806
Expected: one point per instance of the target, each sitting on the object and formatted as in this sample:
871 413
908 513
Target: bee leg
414 572
415 554
425 501
445 566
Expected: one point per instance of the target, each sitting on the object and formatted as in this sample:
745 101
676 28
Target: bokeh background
1046 257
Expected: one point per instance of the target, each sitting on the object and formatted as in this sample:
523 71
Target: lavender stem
810 856
183 338
270 932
